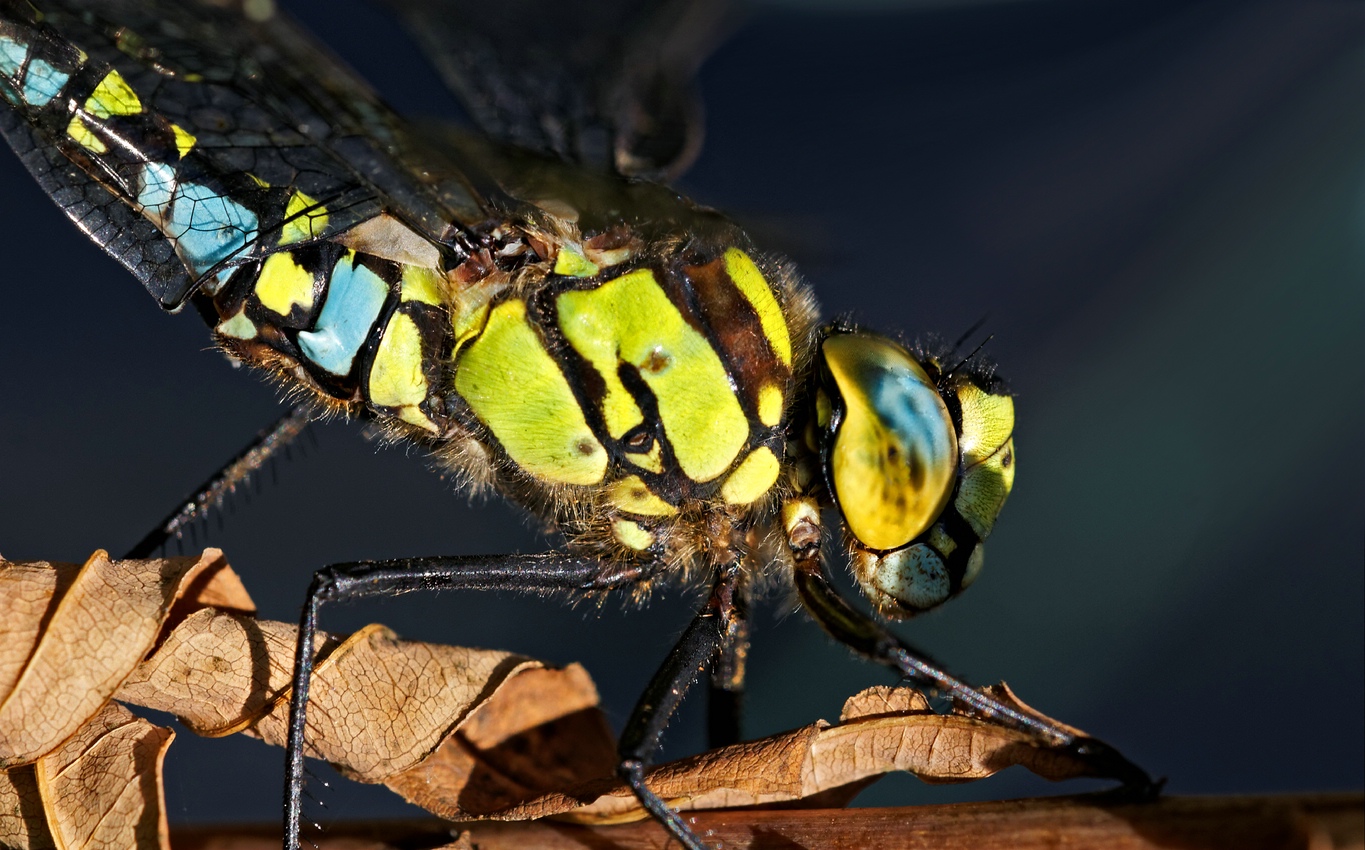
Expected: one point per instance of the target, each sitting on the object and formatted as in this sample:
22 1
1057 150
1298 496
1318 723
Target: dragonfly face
919 461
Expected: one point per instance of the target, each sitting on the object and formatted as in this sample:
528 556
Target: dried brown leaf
71 636
883 701
22 823
75 636
100 789
378 706
542 732
882 730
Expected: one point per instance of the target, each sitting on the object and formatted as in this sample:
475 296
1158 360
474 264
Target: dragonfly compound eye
894 454
920 469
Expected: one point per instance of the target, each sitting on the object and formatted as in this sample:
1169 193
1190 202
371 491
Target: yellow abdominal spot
630 320
81 135
113 96
755 476
283 284
633 496
760 296
396 378
184 140
516 389
304 219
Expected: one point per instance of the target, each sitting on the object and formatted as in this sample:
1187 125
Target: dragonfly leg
209 495
540 573
706 638
869 639
725 693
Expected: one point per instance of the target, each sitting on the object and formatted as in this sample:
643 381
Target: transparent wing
251 112
607 84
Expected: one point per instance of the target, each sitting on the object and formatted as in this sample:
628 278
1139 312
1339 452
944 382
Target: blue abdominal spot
43 82
158 182
12 55
355 297
207 227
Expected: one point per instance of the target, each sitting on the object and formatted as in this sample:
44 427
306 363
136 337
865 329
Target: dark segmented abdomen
242 114
357 327
201 176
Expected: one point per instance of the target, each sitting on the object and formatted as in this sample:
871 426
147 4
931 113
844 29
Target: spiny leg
865 636
543 573
705 638
236 472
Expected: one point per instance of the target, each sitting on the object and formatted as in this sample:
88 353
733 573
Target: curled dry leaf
464 733
71 635
101 788
22 824
76 637
75 764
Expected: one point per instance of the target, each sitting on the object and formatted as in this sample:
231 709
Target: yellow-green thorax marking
662 383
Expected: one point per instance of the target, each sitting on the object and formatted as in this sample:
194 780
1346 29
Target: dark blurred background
1160 208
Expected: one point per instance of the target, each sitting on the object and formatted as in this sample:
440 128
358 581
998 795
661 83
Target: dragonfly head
918 460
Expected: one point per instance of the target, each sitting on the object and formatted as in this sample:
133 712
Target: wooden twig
1302 822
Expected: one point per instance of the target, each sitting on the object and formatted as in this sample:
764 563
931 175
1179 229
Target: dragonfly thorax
658 386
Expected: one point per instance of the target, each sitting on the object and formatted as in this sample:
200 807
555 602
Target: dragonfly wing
253 125
132 240
607 84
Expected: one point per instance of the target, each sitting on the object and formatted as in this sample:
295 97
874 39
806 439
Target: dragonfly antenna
964 360
976 326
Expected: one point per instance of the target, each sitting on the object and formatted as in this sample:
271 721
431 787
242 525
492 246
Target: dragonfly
534 307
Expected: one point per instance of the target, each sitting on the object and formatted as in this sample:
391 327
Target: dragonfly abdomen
357 328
